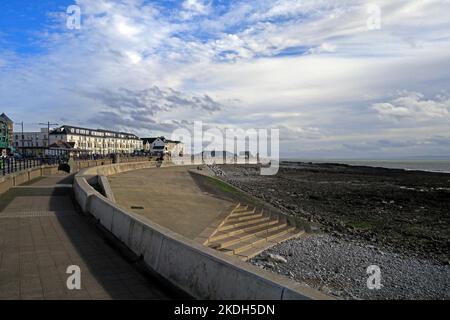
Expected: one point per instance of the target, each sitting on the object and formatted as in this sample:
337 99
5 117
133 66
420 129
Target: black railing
12 165
108 156
92 157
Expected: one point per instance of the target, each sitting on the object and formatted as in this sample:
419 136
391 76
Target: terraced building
97 141
6 134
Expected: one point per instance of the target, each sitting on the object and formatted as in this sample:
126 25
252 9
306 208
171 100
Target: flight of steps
246 232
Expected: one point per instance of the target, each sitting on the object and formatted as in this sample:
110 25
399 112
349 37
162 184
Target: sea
422 165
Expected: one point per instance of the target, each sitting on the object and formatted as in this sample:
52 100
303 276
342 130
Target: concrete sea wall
16 179
197 270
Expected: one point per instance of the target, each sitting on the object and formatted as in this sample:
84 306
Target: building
32 143
175 148
10 124
96 141
163 146
6 135
153 145
61 149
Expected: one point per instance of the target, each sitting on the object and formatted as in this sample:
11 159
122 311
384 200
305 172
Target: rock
276 258
339 260
325 289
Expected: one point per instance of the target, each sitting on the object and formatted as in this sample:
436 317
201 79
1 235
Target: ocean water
423 165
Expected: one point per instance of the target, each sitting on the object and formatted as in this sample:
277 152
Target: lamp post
22 135
48 131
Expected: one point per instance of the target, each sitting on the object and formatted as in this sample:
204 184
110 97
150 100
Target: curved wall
199 271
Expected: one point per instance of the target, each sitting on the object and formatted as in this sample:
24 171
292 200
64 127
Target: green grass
362 225
222 186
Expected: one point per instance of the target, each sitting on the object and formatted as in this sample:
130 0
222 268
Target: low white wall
117 168
200 271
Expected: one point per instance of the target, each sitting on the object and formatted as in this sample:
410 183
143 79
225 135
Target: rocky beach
363 216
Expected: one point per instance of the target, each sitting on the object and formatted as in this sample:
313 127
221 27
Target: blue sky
22 20
335 86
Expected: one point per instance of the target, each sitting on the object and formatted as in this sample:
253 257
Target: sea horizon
429 165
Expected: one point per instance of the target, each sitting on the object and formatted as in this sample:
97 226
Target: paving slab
42 234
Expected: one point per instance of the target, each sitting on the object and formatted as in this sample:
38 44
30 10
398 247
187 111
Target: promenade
42 234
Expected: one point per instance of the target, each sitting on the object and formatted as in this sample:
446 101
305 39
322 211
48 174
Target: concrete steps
244 217
242 213
260 232
239 231
233 224
246 232
255 250
251 240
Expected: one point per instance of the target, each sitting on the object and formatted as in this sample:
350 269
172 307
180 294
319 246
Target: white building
101 142
31 143
153 145
175 148
164 146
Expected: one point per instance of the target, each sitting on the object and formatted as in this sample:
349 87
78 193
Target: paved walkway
41 234
169 197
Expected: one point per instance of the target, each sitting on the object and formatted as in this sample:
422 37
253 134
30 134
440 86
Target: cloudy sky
337 83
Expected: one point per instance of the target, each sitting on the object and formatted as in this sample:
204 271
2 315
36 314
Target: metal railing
92 157
108 157
12 165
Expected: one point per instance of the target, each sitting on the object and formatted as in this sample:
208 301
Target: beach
364 215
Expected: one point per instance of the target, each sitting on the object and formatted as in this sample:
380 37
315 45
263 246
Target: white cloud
323 48
195 7
414 106
134 57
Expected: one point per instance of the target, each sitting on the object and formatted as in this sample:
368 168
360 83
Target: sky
340 79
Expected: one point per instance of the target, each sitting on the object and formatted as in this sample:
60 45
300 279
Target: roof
88 132
59 144
173 141
151 140
4 116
